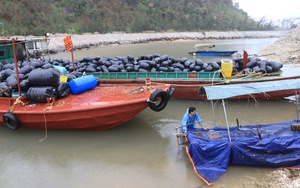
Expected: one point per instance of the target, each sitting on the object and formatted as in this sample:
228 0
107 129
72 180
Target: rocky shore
101 40
286 49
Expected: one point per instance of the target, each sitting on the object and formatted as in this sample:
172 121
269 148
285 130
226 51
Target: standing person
189 119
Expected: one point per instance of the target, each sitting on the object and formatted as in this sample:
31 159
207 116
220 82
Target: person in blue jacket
189 120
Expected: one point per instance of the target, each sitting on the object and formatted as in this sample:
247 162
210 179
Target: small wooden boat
103 107
263 145
208 50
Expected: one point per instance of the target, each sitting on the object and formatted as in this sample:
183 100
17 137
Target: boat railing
157 75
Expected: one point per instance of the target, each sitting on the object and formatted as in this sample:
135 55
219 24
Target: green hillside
25 17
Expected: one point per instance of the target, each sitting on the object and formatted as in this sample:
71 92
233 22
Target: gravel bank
286 49
101 40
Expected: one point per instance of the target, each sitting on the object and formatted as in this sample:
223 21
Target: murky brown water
140 153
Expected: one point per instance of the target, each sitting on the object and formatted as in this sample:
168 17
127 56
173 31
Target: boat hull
212 53
98 109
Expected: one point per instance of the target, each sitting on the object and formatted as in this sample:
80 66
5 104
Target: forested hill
25 17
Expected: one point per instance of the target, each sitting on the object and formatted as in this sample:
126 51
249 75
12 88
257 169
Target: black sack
40 94
44 77
63 89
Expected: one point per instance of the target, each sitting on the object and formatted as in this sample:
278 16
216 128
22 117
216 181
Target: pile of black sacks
44 84
40 85
36 74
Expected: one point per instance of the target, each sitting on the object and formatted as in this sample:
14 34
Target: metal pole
213 111
73 64
16 66
224 108
297 110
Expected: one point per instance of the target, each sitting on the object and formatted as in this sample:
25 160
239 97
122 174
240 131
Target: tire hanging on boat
11 121
159 96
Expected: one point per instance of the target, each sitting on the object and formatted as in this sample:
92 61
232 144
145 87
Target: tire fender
158 100
11 121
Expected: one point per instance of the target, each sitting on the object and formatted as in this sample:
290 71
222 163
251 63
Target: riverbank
101 40
286 49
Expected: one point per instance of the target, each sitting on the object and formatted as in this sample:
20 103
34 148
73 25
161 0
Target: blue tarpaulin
217 92
211 151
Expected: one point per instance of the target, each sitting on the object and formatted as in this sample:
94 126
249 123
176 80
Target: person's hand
205 128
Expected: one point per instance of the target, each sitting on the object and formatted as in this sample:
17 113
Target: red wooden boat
97 107
101 108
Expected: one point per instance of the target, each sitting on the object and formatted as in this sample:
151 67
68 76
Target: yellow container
226 68
63 78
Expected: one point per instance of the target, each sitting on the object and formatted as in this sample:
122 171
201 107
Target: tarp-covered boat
262 145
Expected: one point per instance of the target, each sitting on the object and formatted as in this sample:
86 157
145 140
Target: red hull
191 91
101 108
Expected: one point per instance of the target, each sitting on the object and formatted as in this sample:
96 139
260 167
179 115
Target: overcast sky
271 9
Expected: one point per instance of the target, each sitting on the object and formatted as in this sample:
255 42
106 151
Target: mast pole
224 108
16 66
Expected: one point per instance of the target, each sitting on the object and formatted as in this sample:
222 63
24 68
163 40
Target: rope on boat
212 82
259 74
60 103
44 113
148 85
17 101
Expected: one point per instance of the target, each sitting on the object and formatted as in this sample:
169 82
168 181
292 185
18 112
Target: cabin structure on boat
26 48
6 49
37 47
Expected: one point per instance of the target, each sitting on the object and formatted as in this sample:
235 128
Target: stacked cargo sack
45 83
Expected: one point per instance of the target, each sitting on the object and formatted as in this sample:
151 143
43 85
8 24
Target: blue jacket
190 121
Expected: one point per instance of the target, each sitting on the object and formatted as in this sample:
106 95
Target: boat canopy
203 46
218 92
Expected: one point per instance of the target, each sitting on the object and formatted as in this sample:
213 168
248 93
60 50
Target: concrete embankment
101 40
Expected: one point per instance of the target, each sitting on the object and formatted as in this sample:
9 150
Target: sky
270 9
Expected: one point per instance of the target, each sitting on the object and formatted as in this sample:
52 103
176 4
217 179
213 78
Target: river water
140 153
